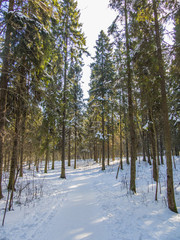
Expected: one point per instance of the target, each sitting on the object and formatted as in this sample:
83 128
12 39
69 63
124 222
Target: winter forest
106 167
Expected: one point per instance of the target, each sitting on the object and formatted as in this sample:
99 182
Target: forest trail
92 205
80 217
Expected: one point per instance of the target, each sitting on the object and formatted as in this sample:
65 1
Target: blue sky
95 16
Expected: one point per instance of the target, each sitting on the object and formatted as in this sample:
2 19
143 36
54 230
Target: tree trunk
53 156
148 148
113 155
167 133
3 90
22 142
120 137
69 147
161 148
15 145
37 163
108 151
47 156
5 161
127 139
95 151
103 141
127 150
63 174
158 157
130 108
108 142
75 147
23 113
144 146
154 146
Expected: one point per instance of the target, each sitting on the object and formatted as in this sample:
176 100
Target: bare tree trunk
167 133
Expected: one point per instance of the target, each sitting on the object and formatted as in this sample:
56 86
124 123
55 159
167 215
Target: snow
99 135
145 127
91 205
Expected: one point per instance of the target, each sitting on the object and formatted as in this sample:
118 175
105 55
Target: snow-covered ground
91 205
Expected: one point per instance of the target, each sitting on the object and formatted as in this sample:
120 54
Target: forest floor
91 204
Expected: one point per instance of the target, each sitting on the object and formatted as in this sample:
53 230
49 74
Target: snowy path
91 205
80 217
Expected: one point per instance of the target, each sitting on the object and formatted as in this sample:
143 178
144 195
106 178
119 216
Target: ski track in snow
80 216
92 205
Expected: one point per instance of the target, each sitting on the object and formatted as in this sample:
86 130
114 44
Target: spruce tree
166 125
3 87
123 7
102 75
73 43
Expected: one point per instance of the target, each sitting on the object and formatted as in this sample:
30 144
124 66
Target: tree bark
127 139
144 145
103 141
161 148
113 155
75 147
47 155
108 142
154 145
69 147
15 144
95 151
130 108
120 137
23 109
22 142
63 174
